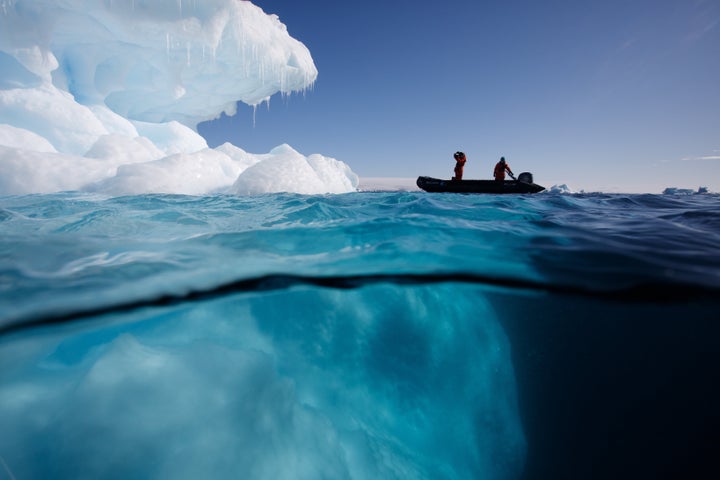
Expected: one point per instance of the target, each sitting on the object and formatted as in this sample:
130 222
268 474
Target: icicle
7 5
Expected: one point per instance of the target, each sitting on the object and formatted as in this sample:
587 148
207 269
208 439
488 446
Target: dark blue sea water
364 336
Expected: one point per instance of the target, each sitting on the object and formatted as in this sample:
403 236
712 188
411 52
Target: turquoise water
366 335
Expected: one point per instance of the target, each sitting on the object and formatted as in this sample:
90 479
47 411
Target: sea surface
393 335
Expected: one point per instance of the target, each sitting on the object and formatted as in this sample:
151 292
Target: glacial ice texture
106 96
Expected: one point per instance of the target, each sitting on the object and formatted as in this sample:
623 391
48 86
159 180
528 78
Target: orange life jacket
499 172
459 166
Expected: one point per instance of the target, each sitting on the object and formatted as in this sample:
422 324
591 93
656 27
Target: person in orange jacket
459 165
500 168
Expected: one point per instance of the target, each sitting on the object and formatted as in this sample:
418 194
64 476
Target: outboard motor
525 177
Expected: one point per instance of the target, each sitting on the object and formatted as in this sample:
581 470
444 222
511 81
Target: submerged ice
382 382
106 96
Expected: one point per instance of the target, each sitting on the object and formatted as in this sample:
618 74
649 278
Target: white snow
281 169
106 96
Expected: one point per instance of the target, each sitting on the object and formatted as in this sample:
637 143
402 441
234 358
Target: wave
75 249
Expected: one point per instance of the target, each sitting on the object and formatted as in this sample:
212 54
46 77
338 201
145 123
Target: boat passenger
500 168
460 165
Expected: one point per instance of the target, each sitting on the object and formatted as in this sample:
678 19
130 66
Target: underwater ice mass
251 388
106 96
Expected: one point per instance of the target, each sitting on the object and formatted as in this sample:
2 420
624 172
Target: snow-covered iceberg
106 96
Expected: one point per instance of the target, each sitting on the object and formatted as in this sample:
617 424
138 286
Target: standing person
500 168
460 165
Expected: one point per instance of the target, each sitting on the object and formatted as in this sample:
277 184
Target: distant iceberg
563 188
684 191
106 97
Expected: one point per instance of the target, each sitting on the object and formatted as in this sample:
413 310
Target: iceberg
685 191
283 166
107 96
562 188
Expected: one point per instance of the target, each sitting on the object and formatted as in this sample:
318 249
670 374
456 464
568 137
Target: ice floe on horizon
562 188
685 191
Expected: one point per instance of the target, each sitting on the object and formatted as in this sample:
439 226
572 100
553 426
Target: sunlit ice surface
106 97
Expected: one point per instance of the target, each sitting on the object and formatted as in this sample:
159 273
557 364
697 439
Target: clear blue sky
617 95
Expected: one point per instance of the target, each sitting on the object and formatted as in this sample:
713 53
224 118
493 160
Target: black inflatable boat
523 184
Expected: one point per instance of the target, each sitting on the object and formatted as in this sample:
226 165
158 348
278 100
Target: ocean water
390 335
